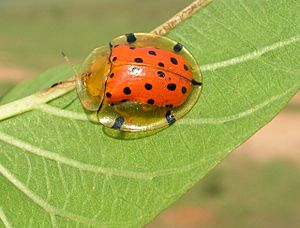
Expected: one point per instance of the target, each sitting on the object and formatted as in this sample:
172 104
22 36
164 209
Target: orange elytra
139 82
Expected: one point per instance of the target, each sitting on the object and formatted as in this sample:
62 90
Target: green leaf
60 169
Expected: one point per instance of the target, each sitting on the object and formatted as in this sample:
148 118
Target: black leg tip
118 123
130 37
170 118
178 47
195 83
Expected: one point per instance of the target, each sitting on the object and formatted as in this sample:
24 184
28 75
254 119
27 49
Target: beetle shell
139 82
144 74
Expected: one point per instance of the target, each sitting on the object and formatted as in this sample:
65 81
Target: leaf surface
60 169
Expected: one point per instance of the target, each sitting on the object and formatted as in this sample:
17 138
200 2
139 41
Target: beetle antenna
69 63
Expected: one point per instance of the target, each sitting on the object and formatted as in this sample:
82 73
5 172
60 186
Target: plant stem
180 17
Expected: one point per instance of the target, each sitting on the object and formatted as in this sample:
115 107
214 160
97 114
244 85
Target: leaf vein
70 162
47 207
4 219
250 56
221 120
39 201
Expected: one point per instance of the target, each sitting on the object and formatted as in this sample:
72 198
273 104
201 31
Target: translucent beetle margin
131 116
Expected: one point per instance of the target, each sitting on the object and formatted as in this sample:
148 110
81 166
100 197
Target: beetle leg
170 117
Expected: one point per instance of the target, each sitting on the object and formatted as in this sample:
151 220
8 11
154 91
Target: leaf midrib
38 101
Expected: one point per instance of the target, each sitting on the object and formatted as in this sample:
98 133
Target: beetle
139 82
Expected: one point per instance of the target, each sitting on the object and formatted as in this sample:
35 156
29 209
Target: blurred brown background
256 186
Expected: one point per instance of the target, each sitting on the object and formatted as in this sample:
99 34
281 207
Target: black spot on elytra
108 94
161 64
185 67
178 47
174 61
161 74
127 91
111 75
148 86
150 101
114 58
130 37
118 123
171 86
152 53
132 48
138 60
183 89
